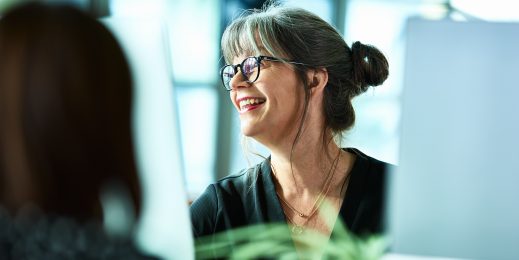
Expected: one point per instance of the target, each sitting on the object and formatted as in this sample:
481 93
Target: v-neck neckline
348 212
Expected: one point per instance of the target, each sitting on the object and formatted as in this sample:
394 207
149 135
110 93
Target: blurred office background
208 127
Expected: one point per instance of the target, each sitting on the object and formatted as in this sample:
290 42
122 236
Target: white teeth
250 101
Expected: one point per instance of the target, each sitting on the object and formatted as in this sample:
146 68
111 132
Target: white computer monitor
165 227
455 192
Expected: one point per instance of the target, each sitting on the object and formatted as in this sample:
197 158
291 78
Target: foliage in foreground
275 241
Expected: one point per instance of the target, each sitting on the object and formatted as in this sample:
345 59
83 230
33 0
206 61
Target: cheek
292 103
299 101
287 89
297 94
232 96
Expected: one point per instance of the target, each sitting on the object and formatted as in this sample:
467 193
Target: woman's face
270 108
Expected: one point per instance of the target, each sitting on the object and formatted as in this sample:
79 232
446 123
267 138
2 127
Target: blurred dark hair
65 112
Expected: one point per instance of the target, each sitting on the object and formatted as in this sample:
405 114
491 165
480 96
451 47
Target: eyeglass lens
249 69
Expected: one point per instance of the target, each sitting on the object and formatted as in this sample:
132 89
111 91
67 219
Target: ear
317 80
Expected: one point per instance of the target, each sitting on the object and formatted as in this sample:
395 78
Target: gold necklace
297 229
318 201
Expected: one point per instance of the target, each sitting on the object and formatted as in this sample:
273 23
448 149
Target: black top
249 198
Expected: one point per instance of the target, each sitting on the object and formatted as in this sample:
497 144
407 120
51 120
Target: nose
239 81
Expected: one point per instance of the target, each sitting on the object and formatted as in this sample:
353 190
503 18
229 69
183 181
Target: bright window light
495 10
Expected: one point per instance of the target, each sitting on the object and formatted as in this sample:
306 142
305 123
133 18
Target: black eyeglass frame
258 59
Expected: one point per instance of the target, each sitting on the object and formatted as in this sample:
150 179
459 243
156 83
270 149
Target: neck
306 167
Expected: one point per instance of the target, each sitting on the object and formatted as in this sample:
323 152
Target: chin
249 130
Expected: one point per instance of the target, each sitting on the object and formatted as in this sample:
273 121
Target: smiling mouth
250 104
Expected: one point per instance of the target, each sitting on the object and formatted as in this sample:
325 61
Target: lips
249 103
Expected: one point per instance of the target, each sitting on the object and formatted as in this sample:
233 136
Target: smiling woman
291 78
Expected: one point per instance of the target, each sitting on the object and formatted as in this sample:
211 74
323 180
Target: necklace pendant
297 230
302 215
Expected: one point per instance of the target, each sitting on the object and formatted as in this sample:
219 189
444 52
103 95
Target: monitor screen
454 193
165 227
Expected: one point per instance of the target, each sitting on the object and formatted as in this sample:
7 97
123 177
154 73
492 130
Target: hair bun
370 66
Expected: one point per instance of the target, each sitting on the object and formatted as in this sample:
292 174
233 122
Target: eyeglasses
249 67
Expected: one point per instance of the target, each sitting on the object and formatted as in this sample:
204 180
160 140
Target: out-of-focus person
67 166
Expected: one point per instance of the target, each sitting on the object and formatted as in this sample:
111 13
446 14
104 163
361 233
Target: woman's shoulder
232 186
244 179
365 197
369 163
369 171
223 204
